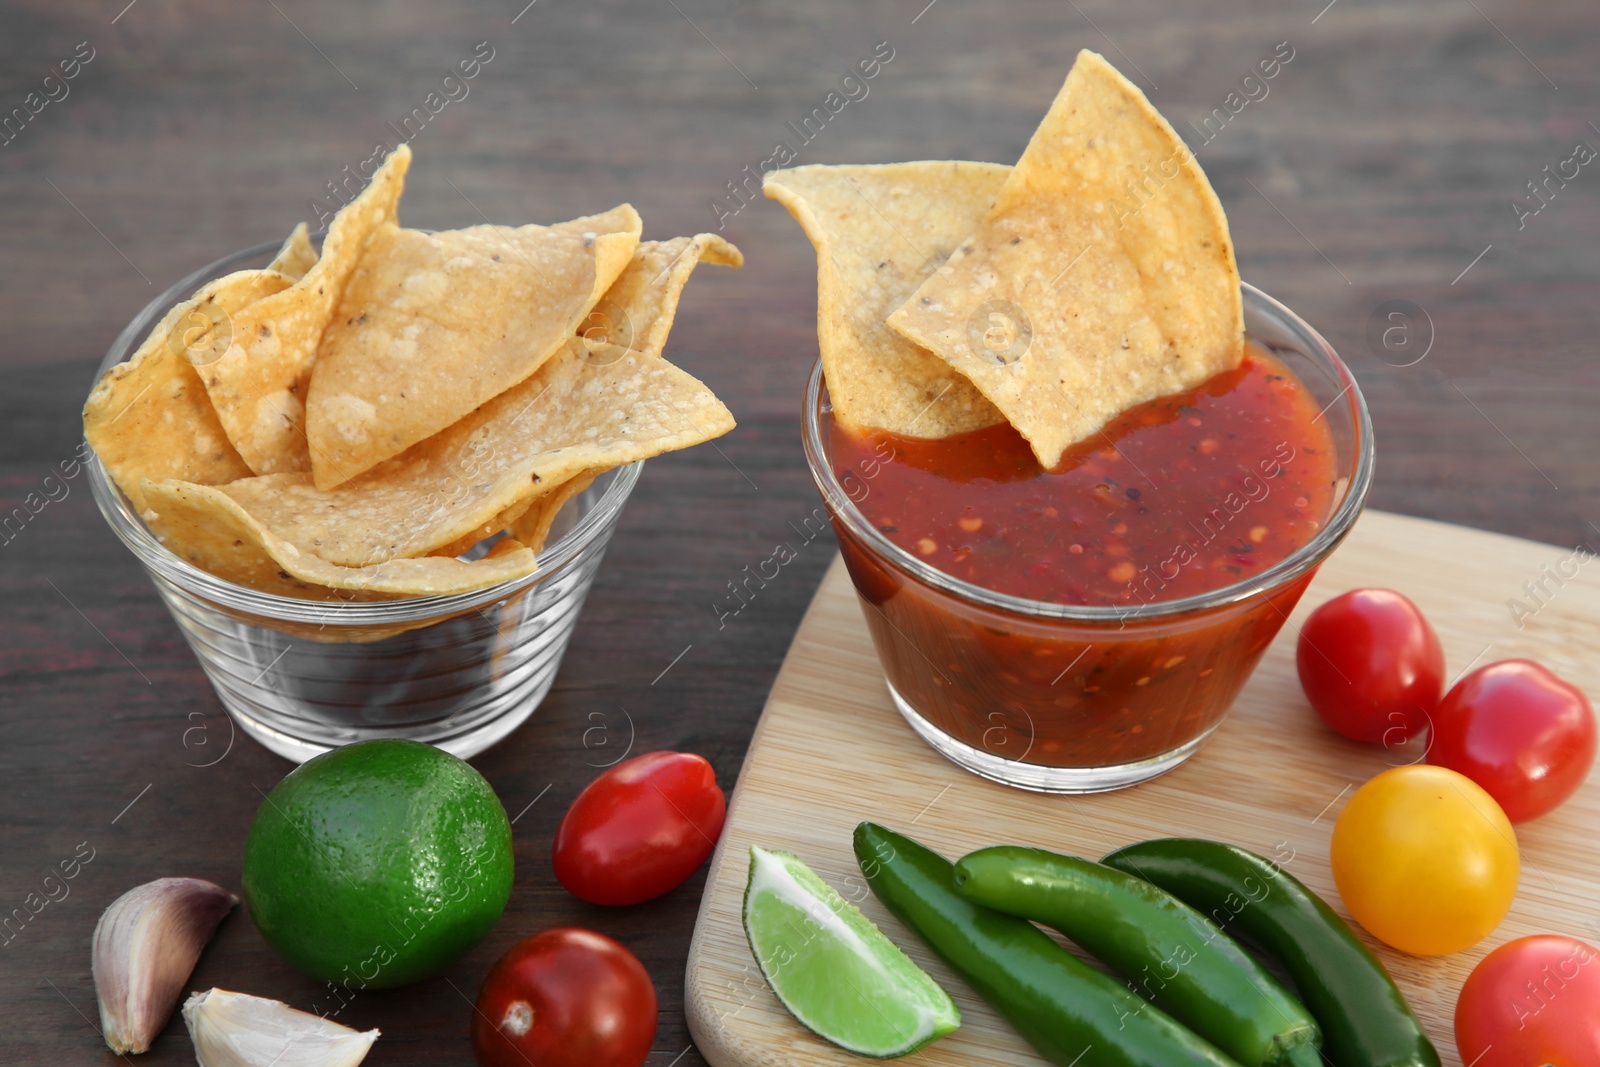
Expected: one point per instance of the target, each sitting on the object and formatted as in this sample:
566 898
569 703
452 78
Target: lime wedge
832 968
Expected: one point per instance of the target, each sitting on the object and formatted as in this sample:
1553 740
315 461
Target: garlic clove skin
239 1030
145 947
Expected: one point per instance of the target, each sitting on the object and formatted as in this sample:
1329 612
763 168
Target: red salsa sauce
1182 495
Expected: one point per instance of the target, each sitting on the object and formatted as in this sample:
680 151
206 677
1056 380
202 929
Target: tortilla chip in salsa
1108 250
880 231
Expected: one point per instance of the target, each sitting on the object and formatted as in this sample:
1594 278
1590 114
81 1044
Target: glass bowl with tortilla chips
300 675
1067 698
374 479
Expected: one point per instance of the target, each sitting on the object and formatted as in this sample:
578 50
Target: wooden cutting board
831 751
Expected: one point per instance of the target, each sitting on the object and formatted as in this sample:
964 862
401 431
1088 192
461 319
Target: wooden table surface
1381 165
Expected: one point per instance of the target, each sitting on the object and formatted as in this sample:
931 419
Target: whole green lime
378 864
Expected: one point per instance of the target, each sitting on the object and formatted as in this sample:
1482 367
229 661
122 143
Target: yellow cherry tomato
1425 860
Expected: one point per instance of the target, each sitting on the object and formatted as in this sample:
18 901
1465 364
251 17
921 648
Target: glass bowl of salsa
1088 627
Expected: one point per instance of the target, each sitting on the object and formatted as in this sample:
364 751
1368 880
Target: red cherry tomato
1531 1001
1371 666
565 998
1520 732
639 829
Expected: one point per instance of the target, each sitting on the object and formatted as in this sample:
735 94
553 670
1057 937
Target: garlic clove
145 947
238 1030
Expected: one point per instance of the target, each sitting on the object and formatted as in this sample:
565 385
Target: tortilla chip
880 231
571 416
150 417
258 382
638 310
433 325
528 521
463 544
504 547
296 256
1106 253
207 528
533 526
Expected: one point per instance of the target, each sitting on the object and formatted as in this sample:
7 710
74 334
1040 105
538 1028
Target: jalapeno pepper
1061 1006
1365 1020
1169 953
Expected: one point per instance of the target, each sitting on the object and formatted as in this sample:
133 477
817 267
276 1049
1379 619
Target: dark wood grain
1383 160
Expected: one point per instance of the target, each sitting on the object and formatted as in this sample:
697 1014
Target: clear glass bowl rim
120 515
1287 570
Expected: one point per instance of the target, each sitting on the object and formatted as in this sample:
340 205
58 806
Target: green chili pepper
1169 953
1365 1020
1070 1012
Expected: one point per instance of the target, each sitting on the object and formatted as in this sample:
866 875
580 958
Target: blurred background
1418 180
